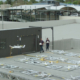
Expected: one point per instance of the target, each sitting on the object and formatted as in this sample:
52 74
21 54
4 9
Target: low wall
76 43
52 23
76 18
66 44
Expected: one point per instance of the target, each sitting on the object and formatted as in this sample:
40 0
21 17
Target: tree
41 0
9 1
1 2
33 1
60 0
75 2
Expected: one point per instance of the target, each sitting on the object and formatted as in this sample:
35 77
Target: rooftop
63 29
61 65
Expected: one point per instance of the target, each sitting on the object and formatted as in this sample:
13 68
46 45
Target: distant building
31 13
45 10
4 6
3 11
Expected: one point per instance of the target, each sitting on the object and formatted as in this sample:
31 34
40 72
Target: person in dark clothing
47 44
41 45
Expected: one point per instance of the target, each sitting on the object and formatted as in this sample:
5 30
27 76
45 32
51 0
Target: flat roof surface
59 74
65 31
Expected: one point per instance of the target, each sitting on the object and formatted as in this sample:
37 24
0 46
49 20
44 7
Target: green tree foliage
9 1
1 2
60 0
75 2
33 1
79 2
41 0
70 1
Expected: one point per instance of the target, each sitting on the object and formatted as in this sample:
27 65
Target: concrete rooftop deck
58 74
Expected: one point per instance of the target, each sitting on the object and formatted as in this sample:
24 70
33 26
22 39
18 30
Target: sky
2 0
5 0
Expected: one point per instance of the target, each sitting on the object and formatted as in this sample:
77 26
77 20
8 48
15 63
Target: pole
40 16
36 42
2 21
52 38
21 13
30 14
25 13
12 15
35 13
46 15
56 12
16 11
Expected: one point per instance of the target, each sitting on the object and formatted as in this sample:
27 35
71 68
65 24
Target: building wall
77 20
51 23
28 38
66 44
68 17
4 6
76 43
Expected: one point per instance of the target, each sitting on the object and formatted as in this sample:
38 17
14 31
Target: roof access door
30 43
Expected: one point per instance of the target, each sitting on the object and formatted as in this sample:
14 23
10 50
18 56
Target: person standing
41 45
47 44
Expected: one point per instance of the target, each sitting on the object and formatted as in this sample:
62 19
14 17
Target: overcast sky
5 0
2 0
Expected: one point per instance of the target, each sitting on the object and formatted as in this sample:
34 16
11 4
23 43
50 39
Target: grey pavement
14 60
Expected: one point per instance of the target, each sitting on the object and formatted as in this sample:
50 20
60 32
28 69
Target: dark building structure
18 37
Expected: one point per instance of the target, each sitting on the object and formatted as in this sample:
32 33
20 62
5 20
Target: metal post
12 14
21 15
25 11
40 16
16 11
36 42
46 15
35 13
49 16
56 13
30 13
2 20
52 39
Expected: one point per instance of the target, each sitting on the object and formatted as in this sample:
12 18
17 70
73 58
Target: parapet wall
76 18
52 23
67 44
